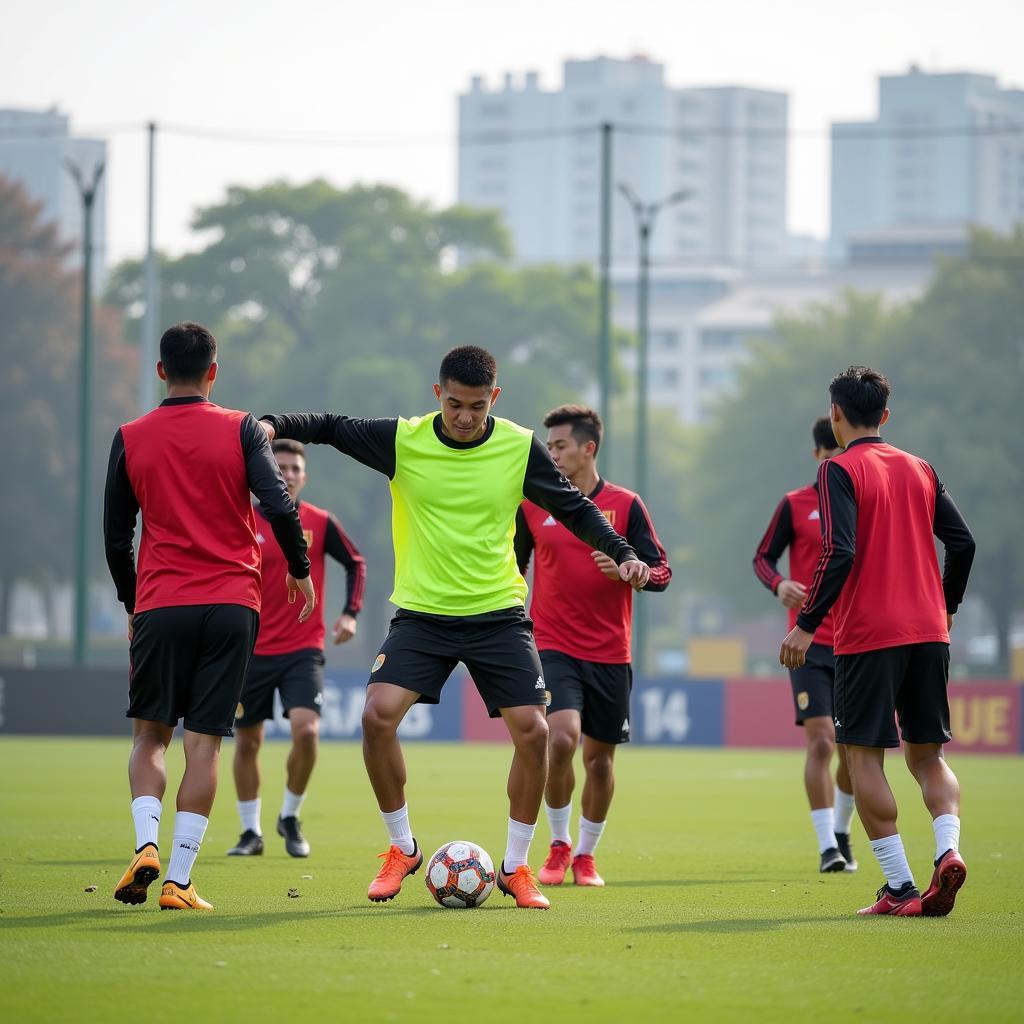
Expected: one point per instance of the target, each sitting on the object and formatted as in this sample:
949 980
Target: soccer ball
460 875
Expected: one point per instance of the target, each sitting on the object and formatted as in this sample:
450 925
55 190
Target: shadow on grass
114 919
728 926
652 882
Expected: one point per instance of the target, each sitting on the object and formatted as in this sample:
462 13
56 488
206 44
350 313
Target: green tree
958 373
347 299
39 347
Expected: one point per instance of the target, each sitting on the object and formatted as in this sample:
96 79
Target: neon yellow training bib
453 519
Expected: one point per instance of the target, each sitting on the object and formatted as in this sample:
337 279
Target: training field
714 909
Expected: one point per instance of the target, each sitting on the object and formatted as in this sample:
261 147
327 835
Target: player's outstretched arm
120 511
265 481
545 486
369 441
523 542
340 547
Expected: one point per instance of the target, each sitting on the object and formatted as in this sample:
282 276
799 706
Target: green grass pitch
714 909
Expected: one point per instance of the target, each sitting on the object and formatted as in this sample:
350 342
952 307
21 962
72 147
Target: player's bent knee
563 744
378 725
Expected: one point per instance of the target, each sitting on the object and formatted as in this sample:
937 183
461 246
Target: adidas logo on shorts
539 685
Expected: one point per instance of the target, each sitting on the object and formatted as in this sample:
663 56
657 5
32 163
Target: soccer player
193 604
582 613
880 508
290 660
457 477
796 525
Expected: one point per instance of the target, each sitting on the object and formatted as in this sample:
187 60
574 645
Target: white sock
823 821
520 835
893 860
292 803
947 833
146 813
189 830
590 836
249 812
399 830
558 819
845 806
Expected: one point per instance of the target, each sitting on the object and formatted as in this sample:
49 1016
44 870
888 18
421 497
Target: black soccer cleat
294 841
832 860
843 843
249 845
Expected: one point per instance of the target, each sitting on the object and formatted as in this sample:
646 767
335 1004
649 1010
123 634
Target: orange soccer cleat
143 870
177 897
584 870
523 886
388 883
557 863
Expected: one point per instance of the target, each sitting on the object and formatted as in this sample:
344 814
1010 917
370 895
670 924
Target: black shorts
421 651
298 676
190 662
812 684
875 686
599 692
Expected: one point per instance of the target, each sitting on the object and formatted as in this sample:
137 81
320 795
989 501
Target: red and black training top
796 525
575 608
280 633
880 510
189 466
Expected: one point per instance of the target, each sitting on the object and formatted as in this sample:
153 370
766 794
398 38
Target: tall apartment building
946 150
35 148
534 155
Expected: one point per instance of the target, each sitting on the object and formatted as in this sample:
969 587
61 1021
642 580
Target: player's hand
635 573
794 648
268 429
344 628
606 565
791 593
304 587
131 626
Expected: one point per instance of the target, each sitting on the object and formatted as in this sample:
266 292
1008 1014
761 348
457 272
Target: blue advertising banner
678 712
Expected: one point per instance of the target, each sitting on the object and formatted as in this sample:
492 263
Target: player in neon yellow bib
457 477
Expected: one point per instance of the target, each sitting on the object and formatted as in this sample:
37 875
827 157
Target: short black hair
822 434
469 365
586 423
862 394
286 444
187 350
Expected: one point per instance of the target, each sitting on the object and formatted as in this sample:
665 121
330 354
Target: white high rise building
946 151
535 155
35 148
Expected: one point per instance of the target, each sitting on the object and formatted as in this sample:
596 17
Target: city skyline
394 99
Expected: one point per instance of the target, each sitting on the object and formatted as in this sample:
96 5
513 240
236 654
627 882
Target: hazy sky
392 70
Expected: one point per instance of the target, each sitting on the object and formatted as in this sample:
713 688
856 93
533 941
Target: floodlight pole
646 215
148 341
87 191
605 341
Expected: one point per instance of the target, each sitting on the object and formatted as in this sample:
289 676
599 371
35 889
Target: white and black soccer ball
460 875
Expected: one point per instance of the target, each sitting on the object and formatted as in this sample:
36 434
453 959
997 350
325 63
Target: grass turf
714 909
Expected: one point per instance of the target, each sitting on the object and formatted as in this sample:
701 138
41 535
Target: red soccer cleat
397 865
904 903
950 874
584 870
556 865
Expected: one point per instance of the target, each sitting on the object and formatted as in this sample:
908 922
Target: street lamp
645 214
87 190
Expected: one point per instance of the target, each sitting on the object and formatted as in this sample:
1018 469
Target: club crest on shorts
379 663
803 700
240 711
